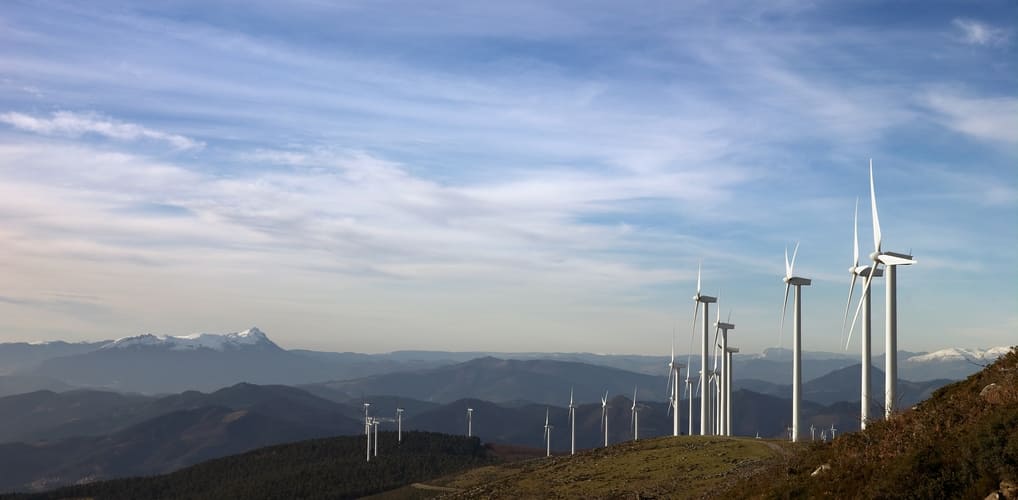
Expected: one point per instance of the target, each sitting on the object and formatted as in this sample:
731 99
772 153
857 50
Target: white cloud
986 118
77 124
979 33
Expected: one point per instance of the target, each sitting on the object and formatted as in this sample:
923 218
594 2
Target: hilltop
960 443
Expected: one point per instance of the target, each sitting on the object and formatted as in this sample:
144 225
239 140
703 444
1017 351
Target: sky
503 176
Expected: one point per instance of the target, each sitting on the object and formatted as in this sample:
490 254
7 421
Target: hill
683 467
960 443
537 380
320 468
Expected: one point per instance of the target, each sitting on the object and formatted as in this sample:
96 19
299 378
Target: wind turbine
604 417
856 271
706 300
375 422
547 432
470 422
673 387
367 428
812 432
833 430
798 282
572 424
728 388
726 373
634 418
891 261
399 425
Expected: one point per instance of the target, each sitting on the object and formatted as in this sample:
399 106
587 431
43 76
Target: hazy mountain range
152 365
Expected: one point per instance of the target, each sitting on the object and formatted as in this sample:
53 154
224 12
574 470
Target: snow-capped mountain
247 338
958 354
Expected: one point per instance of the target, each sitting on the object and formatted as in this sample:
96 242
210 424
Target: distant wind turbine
399 425
470 422
367 429
572 424
729 351
634 418
604 417
547 433
798 282
674 370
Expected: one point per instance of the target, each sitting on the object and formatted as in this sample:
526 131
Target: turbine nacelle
865 271
797 281
705 299
725 326
892 258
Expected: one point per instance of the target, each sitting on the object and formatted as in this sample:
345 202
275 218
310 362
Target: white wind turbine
891 261
572 424
812 432
798 282
399 425
728 388
833 430
673 388
604 417
375 422
547 433
470 422
634 418
706 300
367 429
856 271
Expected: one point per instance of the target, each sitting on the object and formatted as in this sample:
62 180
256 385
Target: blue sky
511 176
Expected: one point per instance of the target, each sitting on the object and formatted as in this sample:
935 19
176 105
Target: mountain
954 363
41 415
145 435
19 384
844 385
539 381
151 364
16 356
319 468
52 416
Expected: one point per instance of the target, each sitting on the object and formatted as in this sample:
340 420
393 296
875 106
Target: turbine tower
891 261
725 388
864 271
399 425
634 418
728 388
547 433
706 300
604 417
673 388
689 394
798 282
572 424
367 428
470 422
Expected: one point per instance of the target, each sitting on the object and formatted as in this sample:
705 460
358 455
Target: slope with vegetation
320 468
960 443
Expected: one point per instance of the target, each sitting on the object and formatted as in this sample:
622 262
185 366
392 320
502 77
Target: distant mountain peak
252 337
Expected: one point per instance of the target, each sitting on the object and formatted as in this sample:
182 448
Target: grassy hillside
320 468
960 443
652 468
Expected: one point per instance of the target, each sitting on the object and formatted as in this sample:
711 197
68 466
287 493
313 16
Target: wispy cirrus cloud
67 123
979 33
987 118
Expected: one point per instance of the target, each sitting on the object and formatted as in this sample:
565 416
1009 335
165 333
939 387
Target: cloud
987 118
77 124
978 33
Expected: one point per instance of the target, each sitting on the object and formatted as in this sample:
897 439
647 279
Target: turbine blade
699 265
862 298
788 269
791 267
570 397
848 304
673 344
668 388
781 327
634 397
873 206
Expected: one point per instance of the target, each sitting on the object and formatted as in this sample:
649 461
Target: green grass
675 467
